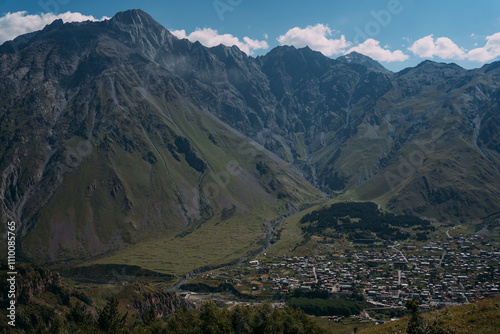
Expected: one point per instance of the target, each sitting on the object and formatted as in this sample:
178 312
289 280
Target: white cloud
180 34
488 52
210 37
317 38
445 48
442 47
18 23
255 44
372 49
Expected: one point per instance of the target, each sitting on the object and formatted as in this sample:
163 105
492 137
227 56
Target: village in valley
437 275
457 270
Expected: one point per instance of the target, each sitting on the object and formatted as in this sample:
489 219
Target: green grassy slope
481 318
168 184
417 154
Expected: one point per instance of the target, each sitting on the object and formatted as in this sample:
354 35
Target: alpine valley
122 144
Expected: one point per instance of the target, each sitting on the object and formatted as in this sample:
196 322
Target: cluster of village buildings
461 270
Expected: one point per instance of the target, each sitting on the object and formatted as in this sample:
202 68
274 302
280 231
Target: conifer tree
109 319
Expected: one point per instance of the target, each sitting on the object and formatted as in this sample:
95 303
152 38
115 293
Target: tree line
209 319
361 220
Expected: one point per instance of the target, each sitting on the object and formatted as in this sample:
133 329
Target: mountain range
117 133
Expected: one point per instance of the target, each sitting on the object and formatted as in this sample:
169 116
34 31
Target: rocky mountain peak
490 67
57 23
133 17
358 58
430 65
302 61
139 31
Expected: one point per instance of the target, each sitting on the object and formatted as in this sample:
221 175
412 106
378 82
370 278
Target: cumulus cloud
372 49
18 23
441 47
488 52
445 48
210 37
317 38
180 34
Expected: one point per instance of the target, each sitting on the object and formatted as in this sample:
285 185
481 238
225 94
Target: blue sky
398 33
